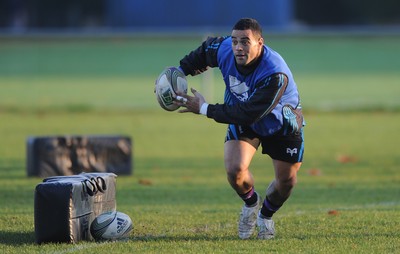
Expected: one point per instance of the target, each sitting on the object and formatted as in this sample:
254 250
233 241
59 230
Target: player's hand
190 103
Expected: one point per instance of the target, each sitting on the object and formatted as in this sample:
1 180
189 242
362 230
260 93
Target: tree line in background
345 12
24 14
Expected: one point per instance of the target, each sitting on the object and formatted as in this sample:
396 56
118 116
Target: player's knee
233 177
291 182
235 168
286 185
236 175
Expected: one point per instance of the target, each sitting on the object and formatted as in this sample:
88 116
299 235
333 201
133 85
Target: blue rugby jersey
255 98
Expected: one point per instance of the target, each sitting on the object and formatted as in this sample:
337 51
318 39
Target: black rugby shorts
288 148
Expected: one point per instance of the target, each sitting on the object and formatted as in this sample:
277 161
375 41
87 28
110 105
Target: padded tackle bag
66 205
71 155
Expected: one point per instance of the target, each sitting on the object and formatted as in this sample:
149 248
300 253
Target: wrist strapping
203 108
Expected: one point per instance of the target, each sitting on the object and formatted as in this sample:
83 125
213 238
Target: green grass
81 87
359 73
189 207
319 92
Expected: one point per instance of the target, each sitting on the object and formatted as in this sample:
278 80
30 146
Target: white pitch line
80 247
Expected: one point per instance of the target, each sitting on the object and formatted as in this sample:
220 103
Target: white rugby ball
111 226
170 81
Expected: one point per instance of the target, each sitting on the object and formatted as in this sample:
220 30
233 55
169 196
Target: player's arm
265 97
201 58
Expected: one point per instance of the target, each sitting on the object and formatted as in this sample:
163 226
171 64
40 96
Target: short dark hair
248 23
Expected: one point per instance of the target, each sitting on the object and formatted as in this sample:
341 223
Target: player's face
246 46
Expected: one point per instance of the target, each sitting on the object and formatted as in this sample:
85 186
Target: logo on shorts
291 151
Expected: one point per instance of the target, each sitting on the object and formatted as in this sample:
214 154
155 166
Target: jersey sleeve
200 59
260 103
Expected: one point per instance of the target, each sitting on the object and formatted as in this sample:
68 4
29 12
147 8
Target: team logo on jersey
238 88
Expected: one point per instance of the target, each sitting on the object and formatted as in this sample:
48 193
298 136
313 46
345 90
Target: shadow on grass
21 238
17 238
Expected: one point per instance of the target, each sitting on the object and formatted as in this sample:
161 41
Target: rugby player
261 108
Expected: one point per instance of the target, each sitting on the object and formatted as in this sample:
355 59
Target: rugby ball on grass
111 226
170 81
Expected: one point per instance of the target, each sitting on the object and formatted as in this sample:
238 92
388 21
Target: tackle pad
70 155
65 206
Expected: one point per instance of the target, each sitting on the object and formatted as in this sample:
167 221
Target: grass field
348 196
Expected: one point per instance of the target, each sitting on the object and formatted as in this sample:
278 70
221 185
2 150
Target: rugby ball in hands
111 226
170 81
